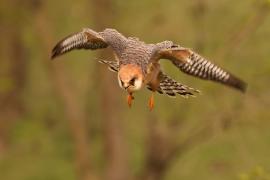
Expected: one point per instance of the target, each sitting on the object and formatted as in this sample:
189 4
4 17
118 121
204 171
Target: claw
129 99
151 102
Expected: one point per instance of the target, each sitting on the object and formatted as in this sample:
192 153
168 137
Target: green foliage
39 140
258 173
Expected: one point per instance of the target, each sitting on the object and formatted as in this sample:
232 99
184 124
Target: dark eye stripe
132 81
122 83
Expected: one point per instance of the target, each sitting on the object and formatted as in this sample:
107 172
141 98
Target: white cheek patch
119 81
137 84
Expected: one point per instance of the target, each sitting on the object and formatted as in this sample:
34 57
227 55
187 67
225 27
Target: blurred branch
74 113
197 136
157 148
115 146
13 74
162 151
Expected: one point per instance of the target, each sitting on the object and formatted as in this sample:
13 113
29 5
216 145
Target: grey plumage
133 51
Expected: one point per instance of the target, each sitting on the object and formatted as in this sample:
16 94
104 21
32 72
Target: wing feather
193 64
86 39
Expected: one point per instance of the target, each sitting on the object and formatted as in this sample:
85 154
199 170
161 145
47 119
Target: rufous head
130 77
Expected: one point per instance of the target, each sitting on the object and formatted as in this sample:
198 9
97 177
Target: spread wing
86 39
193 64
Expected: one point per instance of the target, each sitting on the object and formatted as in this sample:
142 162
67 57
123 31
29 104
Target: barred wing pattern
87 39
193 64
167 85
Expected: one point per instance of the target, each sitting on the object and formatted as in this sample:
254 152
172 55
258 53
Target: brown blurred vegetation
68 119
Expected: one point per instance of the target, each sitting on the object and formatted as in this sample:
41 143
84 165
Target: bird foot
151 102
129 99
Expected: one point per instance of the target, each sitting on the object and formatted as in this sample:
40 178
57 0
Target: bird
137 63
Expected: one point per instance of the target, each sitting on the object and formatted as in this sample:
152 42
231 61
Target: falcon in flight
137 63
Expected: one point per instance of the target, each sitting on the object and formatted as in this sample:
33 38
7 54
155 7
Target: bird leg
151 102
129 99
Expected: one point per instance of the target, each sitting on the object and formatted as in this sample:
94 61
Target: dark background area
68 119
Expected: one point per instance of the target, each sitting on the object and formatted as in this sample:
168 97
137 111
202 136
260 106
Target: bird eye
132 81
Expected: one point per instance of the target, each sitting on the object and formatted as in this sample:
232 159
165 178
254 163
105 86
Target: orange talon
129 99
151 102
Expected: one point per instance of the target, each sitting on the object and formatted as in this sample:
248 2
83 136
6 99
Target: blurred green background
68 119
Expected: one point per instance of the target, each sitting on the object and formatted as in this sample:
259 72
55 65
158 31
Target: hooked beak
126 87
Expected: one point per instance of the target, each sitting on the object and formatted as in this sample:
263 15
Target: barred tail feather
167 86
171 88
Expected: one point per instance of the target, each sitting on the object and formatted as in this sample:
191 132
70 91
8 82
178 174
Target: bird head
130 77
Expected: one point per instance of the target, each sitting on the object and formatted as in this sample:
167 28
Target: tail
171 88
167 86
